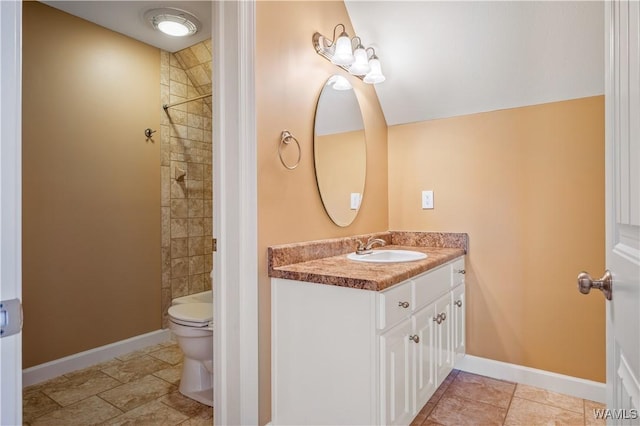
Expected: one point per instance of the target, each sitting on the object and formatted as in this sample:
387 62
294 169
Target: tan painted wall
91 186
527 184
289 78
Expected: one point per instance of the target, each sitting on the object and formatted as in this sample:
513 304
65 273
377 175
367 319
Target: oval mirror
339 149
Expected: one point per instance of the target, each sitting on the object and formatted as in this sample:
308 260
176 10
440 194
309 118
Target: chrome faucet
363 248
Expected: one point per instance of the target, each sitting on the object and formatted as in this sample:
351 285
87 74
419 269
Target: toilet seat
197 315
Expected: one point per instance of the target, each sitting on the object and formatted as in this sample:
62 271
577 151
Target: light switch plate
427 200
355 200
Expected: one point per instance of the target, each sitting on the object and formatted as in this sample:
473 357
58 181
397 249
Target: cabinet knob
440 317
461 271
415 338
458 303
403 304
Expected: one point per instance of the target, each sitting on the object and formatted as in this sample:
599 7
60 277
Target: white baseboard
58 367
568 385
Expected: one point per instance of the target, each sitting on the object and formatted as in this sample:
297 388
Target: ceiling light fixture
173 22
356 60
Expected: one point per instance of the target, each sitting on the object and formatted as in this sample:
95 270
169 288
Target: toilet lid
192 312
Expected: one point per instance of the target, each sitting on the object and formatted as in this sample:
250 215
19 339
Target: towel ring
285 139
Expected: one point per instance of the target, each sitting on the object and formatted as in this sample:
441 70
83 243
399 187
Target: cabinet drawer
457 272
430 285
394 305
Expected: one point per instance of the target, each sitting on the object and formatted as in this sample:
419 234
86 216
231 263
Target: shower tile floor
140 388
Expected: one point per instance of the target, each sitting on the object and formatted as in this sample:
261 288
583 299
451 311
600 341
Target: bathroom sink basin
388 256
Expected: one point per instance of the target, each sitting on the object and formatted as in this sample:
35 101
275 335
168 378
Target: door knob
415 338
604 284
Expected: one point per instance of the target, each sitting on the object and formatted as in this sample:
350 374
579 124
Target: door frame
235 271
236 336
11 202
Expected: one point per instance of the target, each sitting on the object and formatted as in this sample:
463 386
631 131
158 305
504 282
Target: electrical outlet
427 200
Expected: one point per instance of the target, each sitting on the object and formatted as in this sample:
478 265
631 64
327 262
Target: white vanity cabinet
349 356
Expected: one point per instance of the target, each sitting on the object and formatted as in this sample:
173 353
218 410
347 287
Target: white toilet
191 321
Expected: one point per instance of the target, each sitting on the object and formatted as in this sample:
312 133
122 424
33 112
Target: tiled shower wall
187 210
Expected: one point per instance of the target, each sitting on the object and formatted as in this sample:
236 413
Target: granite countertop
340 271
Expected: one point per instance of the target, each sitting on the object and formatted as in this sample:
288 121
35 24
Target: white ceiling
441 59
444 59
127 17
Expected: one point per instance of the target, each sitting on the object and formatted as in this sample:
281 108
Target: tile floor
140 388
469 399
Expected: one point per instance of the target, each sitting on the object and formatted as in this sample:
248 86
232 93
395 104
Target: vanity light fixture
173 22
356 60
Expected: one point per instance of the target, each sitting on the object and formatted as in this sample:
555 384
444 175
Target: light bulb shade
361 64
343 54
375 75
338 82
172 28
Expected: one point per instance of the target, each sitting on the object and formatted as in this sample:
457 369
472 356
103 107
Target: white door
622 97
10 205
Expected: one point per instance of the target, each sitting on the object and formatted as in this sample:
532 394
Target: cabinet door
443 345
458 326
395 375
424 376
